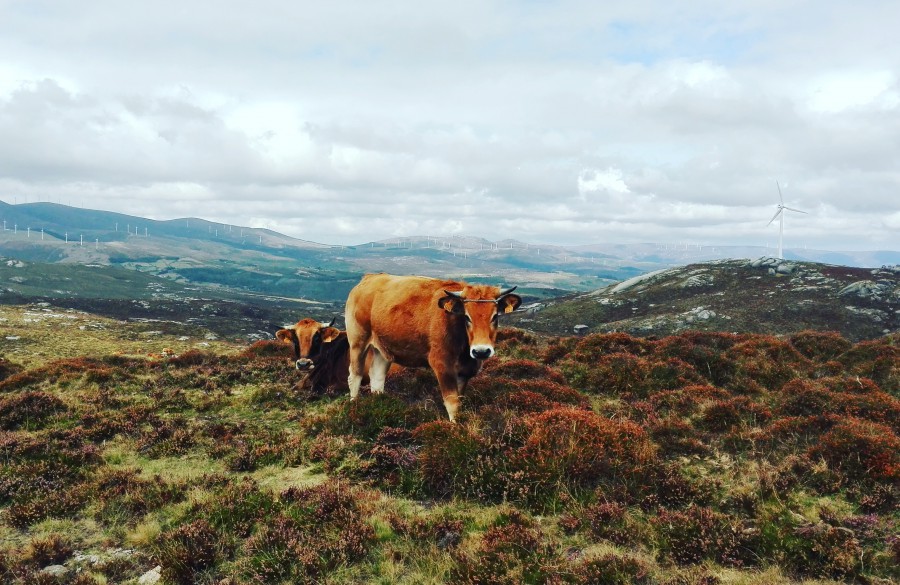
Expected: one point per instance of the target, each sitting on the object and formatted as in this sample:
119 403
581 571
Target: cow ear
329 334
286 335
509 303
452 304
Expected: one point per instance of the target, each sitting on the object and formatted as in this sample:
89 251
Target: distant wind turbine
779 215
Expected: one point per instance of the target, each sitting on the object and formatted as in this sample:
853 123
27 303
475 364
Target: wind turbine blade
774 217
792 209
779 192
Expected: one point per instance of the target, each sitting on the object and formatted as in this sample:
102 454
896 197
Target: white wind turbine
779 215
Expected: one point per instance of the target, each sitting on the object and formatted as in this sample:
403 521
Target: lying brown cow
321 351
307 337
417 322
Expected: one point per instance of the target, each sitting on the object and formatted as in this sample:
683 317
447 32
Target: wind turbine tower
779 215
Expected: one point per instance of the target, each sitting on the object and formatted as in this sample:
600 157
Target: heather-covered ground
697 458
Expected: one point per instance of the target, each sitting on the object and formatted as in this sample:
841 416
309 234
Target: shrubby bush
820 346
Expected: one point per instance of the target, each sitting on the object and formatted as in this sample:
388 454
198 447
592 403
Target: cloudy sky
552 122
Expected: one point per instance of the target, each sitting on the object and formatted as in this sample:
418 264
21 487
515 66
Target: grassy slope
604 459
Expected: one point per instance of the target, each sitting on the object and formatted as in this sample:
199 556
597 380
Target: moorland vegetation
701 457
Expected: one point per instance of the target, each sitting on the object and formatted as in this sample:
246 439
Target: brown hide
415 321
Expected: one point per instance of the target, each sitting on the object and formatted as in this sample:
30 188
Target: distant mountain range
51 232
55 252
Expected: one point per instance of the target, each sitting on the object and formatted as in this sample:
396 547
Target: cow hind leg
378 371
357 368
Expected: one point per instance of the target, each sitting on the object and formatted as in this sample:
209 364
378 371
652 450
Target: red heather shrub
54 549
126 497
453 460
522 370
525 402
790 433
627 374
8 368
28 410
60 371
512 551
705 351
194 357
675 437
611 569
579 448
861 450
503 392
820 346
237 507
167 437
269 348
698 533
663 484
617 373
822 550
878 359
280 552
368 415
767 361
188 551
515 334
558 348
332 502
806 549
331 450
444 531
686 401
413 384
591 347
723 415
391 455
672 373
509 339
851 384
609 521
321 528
806 397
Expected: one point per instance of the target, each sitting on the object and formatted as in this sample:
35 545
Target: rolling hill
762 296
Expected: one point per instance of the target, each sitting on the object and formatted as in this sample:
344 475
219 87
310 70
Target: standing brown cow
416 322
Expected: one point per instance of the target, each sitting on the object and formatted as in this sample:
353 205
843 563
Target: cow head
481 307
307 337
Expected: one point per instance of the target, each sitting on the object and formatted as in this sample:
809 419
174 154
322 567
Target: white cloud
576 121
836 91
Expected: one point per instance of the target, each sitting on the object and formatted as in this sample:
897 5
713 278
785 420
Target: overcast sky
551 122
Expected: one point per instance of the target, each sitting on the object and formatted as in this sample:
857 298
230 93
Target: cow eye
468 320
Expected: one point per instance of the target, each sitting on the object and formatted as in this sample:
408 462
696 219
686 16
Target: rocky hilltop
767 295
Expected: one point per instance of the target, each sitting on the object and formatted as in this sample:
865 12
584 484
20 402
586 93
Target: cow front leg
450 393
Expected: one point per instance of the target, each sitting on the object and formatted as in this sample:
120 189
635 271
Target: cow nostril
304 364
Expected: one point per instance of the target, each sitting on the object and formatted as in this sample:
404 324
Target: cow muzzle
481 352
304 364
